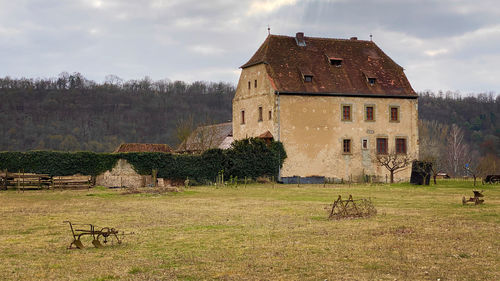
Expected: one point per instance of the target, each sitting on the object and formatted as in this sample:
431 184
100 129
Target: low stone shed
123 173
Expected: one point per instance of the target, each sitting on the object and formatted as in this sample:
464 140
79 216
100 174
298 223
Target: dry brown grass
254 233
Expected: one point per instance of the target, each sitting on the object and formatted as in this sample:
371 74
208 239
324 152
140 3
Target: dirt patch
150 190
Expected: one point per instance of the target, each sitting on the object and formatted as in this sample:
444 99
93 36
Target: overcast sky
442 44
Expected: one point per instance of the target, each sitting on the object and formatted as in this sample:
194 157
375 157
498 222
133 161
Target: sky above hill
442 44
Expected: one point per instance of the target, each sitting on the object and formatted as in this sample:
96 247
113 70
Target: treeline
477 115
72 113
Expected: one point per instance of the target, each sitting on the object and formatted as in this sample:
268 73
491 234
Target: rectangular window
401 145
243 117
308 78
372 81
347 146
346 113
249 85
369 113
255 83
260 113
394 113
381 146
270 115
364 144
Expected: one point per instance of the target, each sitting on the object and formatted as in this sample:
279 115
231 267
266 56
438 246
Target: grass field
258 232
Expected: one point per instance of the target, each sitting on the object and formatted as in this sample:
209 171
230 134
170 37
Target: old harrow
98 235
351 208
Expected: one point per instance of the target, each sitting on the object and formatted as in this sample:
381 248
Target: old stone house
334 103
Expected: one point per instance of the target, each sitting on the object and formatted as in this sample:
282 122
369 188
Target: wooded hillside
71 113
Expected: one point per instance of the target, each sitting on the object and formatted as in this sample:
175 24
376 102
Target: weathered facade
334 103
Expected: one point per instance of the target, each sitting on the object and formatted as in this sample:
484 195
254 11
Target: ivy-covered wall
246 158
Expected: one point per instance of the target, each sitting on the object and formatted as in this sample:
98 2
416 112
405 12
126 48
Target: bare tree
394 162
183 130
204 137
198 139
457 150
433 137
478 166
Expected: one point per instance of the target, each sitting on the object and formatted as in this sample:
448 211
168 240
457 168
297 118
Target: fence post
154 174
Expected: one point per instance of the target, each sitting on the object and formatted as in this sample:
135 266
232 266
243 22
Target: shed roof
206 137
285 60
143 147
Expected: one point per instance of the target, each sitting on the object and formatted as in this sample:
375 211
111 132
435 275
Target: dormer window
371 78
306 73
336 62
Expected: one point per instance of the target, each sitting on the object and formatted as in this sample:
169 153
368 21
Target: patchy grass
259 232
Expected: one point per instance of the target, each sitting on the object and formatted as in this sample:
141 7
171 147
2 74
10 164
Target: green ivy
249 158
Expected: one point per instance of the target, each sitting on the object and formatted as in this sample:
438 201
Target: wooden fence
24 181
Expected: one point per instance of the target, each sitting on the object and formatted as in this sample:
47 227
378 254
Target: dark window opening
243 117
372 81
365 144
308 78
346 113
381 146
401 145
260 113
249 85
394 114
347 146
369 113
255 83
270 114
336 62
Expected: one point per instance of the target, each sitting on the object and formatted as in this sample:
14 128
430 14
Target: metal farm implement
104 234
476 199
351 208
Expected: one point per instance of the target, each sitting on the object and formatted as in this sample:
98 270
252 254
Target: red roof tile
286 63
143 147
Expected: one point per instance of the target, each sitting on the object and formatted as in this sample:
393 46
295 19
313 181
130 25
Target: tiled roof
266 135
287 63
205 137
143 147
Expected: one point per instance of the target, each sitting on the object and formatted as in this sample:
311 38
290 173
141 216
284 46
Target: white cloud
206 50
433 53
268 6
